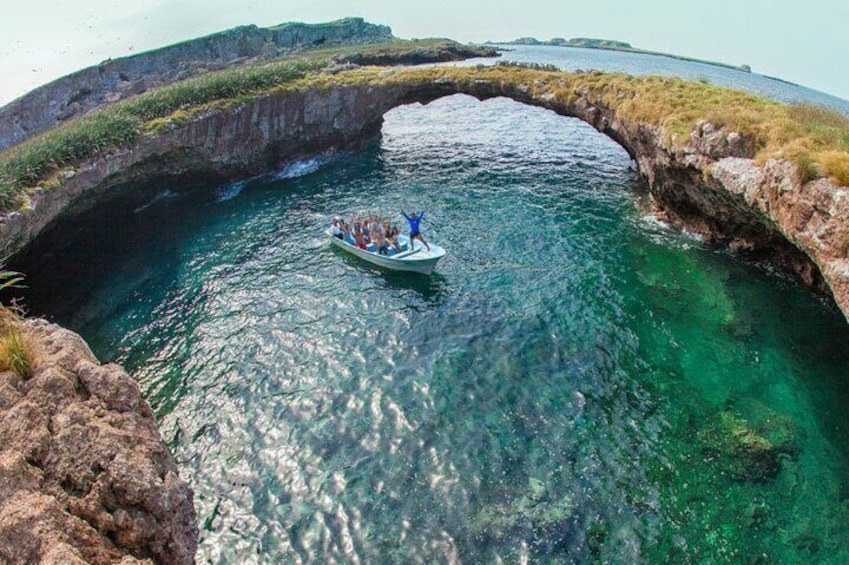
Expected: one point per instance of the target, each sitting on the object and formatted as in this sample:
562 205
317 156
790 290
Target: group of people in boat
375 233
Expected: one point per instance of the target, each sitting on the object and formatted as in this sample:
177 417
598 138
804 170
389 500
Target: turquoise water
575 383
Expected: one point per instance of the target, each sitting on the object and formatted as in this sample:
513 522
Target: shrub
807 167
9 318
832 127
10 315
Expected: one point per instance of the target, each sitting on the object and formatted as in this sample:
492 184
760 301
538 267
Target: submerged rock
537 515
780 430
84 475
757 514
749 450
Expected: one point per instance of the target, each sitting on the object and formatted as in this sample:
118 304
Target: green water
575 383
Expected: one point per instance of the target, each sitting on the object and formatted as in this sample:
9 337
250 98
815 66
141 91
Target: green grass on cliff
397 48
814 138
120 125
16 353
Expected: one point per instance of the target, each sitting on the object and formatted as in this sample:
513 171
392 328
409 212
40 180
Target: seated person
359 237
336 229
381 243
395 245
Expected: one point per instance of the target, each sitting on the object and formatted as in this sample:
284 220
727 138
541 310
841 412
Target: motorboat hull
419 259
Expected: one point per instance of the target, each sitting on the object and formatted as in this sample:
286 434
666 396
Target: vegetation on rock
9 279
86 477
34 161
816 139
16 354
116 79
120 125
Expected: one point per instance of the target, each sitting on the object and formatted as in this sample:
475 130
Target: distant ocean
575 58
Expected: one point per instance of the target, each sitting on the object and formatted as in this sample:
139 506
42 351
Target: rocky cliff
710 183
116 79
84 476
216 146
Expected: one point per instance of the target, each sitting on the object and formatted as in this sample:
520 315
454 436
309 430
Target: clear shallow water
551 393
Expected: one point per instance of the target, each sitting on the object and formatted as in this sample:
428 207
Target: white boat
419 259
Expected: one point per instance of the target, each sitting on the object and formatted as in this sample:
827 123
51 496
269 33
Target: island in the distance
611 45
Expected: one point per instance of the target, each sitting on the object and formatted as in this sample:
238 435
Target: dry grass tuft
16 353
836 165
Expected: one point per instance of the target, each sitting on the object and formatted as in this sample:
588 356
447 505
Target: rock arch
710 182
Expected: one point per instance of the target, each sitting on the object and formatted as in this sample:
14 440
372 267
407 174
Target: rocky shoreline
85 475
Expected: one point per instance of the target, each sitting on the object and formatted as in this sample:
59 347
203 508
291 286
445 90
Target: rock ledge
84 475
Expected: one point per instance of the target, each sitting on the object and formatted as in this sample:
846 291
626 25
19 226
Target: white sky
803 42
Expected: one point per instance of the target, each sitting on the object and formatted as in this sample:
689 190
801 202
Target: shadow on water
431 289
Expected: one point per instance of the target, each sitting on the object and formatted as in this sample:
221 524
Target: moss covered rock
779 429
734 447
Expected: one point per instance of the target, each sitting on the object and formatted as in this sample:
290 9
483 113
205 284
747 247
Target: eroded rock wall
709 182
84 475
214 147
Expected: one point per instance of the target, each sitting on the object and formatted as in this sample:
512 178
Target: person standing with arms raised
414 221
